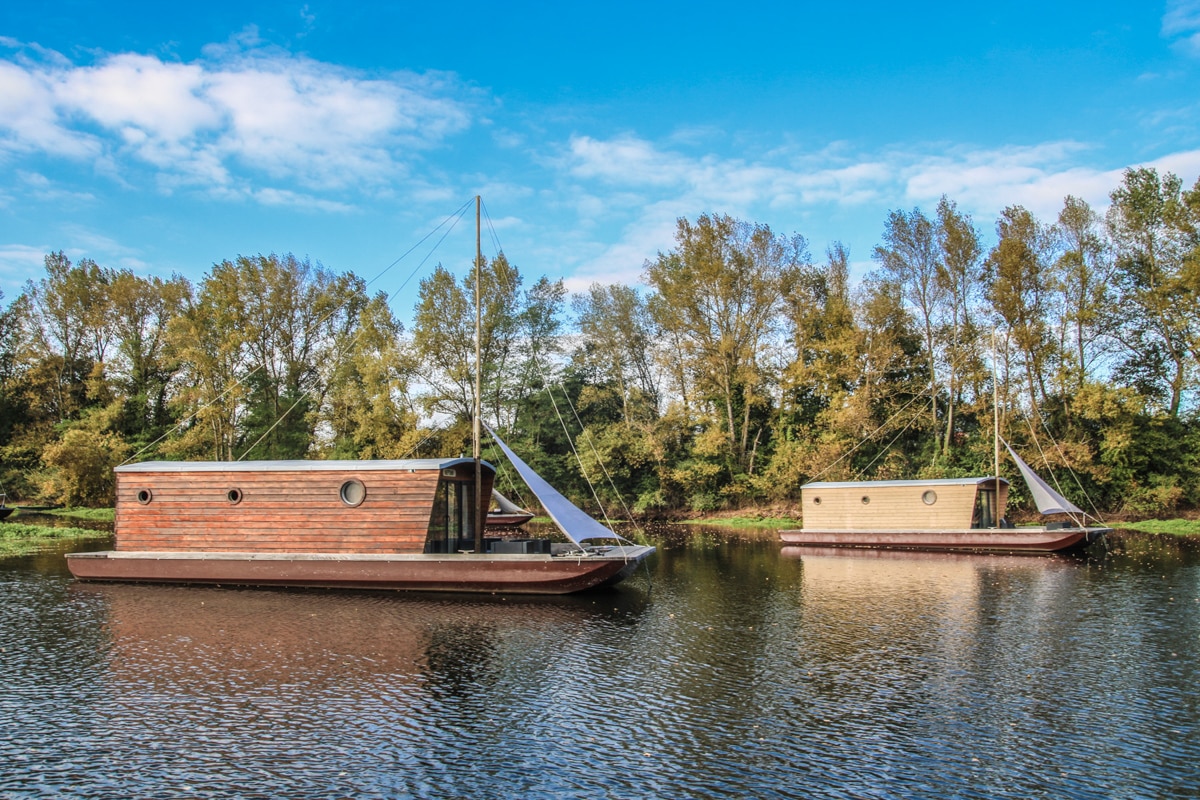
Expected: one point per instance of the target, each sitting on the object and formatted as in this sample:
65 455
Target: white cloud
1181 23
283 197
660 184
29 119
18 263
236 112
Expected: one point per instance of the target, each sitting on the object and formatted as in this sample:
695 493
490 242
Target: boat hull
978 540
509 574
500 519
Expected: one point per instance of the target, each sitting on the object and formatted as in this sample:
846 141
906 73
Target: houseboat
401 524
964 514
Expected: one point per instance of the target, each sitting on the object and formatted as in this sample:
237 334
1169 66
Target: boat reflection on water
233 643
926 556
901 589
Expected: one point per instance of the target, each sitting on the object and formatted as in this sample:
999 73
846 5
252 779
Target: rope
354 339
599 459
453 218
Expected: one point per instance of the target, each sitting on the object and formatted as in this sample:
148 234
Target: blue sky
165 138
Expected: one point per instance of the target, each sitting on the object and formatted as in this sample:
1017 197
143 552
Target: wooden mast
996 428
479 513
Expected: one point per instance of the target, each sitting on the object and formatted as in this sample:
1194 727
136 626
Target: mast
478 410
995 418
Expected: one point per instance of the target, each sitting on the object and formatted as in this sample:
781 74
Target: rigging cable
452 218
304 394
583 432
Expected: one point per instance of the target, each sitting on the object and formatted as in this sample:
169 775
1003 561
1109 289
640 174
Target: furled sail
572 521
1048 501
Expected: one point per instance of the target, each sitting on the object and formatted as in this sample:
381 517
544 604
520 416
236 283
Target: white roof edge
899 484
299 465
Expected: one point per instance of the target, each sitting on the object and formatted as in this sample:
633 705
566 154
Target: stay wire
582 469
584 434
452 218
354 339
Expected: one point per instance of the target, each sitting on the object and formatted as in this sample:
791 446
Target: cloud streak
1181 24
836 182
237 116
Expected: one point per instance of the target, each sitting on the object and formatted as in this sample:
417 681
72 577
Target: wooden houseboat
950 514
340 524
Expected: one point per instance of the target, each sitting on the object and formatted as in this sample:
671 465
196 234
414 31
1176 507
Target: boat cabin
382 507
944 504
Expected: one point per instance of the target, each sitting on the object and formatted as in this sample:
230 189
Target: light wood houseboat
947 514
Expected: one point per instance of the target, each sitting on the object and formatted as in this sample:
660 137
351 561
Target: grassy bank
17 539
95 514
1173 527
770 523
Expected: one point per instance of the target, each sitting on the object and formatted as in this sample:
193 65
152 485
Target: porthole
234 496
929 498
816 501
353 492
866 500
144 496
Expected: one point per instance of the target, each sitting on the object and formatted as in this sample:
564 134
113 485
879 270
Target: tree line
743 369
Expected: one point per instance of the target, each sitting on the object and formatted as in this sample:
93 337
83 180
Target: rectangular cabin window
450 524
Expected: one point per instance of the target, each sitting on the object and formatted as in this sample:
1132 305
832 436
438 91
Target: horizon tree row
743 369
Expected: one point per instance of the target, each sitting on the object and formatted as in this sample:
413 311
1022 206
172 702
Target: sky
164 138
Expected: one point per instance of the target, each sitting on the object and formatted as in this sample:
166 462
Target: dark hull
977 540
6 510
512 574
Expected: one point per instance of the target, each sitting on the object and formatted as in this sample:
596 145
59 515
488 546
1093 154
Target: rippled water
736 670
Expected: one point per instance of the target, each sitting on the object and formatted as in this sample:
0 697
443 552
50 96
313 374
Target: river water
732 668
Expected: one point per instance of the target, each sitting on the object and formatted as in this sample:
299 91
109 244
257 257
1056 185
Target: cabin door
451 528
985 509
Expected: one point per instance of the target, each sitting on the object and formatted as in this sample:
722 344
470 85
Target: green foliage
743 372
81 467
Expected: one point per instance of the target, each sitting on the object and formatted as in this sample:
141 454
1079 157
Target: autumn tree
369 410
721 294
141 311
70 324
960 274
1147 222
909 259
616 347
1019 288
1085 270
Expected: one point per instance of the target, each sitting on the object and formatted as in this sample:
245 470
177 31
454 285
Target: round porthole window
234 496
144 496
353 492
866 500
929 498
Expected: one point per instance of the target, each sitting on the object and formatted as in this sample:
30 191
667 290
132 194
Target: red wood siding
279 512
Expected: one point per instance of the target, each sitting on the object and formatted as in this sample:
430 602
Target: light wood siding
890 508
280 511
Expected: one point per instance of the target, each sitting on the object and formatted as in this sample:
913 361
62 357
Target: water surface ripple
738 670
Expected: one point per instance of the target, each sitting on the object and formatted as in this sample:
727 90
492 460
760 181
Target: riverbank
1172 527
19 539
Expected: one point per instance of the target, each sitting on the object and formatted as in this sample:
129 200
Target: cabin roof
898 484
301 465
